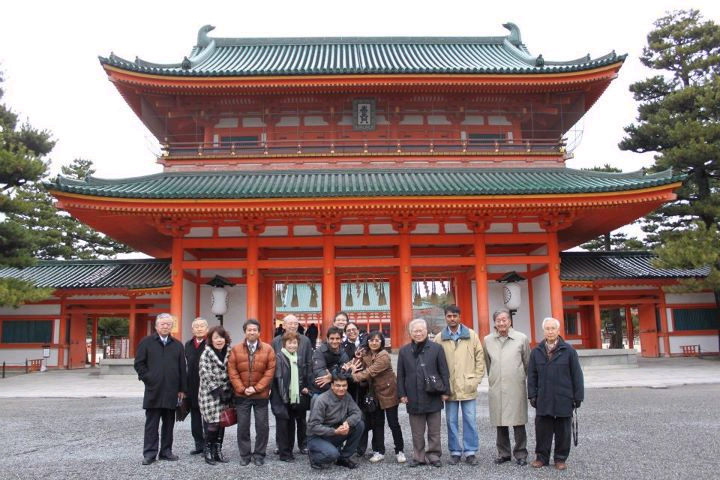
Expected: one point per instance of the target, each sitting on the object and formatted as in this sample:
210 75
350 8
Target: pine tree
60 236
679 120
22 161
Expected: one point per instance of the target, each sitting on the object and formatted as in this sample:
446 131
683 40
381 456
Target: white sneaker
401 457
377 457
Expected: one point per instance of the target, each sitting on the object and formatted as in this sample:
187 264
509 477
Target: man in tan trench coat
507 352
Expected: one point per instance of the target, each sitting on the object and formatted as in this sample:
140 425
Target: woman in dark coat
289 397
555 387
215 393
416 361
375 367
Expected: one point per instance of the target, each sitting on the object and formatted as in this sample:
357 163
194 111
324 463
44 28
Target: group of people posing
350 389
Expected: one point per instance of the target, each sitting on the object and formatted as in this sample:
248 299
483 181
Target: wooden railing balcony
375 147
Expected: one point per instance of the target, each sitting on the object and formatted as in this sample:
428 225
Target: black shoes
412 463
170 457
346 462
436 463
258 461
198 450
501 460
455 459
148 460
471 460
244 462
521 461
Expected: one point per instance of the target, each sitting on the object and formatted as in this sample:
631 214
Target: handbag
433 384
182 409
302 405
369 403
228 417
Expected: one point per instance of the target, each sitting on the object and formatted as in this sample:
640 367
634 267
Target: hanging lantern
348 296
294 302
382 300
313 296
511 290
219 301
366 296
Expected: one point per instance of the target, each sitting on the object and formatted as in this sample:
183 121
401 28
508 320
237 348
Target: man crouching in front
334 427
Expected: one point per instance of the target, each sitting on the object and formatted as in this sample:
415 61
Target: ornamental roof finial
514 36
202 39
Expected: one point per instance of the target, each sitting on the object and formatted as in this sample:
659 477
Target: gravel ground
638 433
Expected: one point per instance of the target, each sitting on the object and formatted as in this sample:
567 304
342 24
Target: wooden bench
690 350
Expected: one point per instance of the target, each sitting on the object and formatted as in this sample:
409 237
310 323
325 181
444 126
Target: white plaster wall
708 343
541 302
16 356
188 309
685 298
31 310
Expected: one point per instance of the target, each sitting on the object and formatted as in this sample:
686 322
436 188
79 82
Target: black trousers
259 406
285 431
502 441
546 428
198 428
152 422
376 424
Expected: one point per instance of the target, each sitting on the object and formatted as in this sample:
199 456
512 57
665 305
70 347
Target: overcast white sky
48 53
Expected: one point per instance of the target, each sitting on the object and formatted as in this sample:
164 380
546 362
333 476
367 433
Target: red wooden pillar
405 283
556 303
329 290
61 333
132 326
176 291
664 322
252 285
630 328
481 284
596 320
398 333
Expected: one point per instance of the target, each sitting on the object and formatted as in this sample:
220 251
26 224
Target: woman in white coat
507 352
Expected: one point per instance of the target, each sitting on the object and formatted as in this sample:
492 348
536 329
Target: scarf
294 390
220 353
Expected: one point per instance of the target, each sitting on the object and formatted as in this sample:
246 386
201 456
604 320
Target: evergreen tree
60 235
22 161
679 120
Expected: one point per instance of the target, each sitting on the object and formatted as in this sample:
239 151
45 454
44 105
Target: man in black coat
160 365
555 387
417 361
193 349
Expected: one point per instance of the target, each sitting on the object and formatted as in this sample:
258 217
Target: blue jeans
469 445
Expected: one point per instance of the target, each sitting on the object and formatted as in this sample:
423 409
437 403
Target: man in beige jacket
464 355
507 352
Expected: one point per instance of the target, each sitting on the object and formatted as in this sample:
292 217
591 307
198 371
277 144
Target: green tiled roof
619 265
362 183
139 274
218 57
91 274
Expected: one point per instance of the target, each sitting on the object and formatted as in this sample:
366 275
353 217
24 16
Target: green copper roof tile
92 274
359 55
363 183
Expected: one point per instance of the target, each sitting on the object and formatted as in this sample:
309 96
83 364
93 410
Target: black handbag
369 403
182 409
302 405
433 383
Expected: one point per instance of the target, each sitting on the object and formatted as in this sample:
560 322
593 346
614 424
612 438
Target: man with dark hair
464 355
329 359
160 365
334 427
251 367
